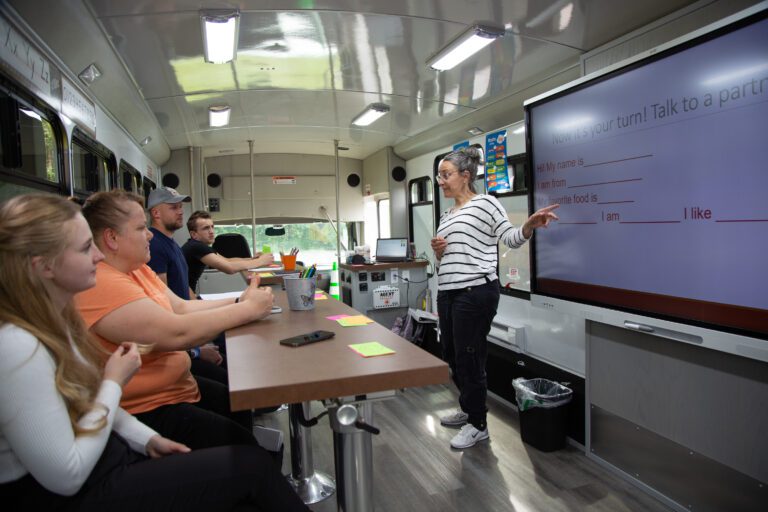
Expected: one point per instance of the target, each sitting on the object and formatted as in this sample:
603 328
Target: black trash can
543 411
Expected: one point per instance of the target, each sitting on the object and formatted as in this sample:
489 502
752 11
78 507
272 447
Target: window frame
28 101
512 160
103 156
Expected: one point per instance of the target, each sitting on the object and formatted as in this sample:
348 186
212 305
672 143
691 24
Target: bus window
91 164
316 241
147 187
29 149
129 178
421 214
382 206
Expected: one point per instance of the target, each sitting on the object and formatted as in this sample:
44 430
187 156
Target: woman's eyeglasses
445 175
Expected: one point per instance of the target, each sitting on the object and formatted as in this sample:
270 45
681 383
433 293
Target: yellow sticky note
266 274
371 349
361 318
349 321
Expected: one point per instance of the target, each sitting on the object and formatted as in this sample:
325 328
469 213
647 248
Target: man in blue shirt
166 213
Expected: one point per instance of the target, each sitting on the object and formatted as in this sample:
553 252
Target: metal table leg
311 486
353 458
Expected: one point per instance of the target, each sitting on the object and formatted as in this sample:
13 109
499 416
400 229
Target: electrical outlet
405 275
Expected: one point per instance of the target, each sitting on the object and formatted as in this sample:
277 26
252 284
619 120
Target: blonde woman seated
129 302
65 443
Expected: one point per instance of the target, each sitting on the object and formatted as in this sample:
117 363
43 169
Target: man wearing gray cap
166 214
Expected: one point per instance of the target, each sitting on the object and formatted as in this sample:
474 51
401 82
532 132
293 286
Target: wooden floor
415 468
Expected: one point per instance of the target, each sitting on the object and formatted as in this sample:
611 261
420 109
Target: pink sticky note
336 317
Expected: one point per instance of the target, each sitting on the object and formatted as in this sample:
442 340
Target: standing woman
65 443
468 287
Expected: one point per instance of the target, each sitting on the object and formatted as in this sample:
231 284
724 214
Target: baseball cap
165 195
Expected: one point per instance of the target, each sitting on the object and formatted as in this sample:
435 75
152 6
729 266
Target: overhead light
90 74
468 43
146 140
220 29
371 113
475 131
218 115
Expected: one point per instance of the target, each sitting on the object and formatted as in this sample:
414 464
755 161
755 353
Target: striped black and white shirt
472 233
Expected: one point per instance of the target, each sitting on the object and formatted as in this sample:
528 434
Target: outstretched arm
539 218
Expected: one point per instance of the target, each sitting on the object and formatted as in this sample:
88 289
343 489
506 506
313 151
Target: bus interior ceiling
302 74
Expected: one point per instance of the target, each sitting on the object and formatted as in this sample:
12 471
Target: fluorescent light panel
218 116
465 45
220 29
371 113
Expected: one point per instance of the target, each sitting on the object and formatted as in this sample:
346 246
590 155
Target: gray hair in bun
466 159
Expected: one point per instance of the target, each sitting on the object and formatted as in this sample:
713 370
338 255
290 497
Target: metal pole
253 201
338 230
311 486
192 172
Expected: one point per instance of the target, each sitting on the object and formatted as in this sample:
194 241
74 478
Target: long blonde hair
37 225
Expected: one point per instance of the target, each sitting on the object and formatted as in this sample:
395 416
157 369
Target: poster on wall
497 177
463 144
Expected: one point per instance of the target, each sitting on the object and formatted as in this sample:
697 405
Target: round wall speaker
353 180
398 173
170 180
214 180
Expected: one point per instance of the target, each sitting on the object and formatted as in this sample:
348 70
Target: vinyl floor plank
415 469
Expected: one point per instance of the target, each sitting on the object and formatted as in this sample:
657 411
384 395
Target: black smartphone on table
305 339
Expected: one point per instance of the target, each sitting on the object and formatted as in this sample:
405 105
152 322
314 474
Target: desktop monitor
391 250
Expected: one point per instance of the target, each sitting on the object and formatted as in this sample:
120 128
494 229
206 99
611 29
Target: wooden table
262 373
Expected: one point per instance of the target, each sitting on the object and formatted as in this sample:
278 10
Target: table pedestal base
311 486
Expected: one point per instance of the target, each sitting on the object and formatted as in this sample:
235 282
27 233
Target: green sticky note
371 349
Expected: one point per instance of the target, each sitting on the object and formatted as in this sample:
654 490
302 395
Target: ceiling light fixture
466 44
90 74
218 115
475 131
220 30
146 140
371 113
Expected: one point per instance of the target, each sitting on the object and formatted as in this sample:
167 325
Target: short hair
107 210
466 159
192 221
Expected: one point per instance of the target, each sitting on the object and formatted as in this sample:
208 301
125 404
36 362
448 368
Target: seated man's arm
232 265
146 322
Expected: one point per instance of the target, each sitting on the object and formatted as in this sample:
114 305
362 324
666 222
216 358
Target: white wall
315 185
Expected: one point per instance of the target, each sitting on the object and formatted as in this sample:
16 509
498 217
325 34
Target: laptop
391 250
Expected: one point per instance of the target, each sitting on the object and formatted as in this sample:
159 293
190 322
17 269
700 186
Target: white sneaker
455 419
468 436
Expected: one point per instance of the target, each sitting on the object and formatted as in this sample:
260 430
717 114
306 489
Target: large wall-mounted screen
661 171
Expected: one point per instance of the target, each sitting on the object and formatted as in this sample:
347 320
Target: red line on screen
606 183
616 161
649 222
743 220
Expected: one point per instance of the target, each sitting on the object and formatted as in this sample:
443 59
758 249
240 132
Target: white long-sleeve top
472 233
36 435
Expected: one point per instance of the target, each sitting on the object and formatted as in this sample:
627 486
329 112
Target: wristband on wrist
194 353
237 299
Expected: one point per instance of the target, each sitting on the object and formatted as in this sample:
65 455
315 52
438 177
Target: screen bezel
722 317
